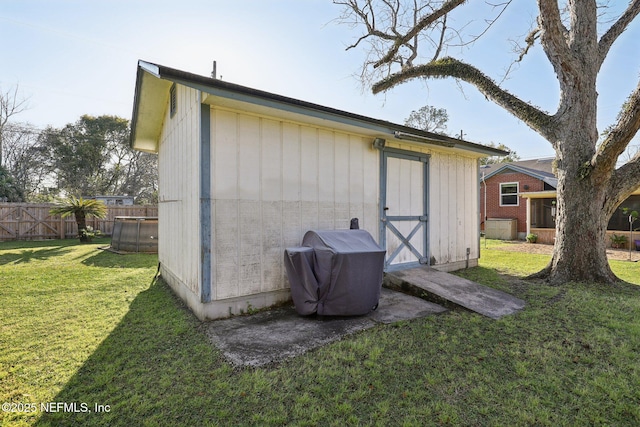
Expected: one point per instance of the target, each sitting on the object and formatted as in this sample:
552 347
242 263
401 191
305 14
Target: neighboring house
505 183
243 174
116 200
526 191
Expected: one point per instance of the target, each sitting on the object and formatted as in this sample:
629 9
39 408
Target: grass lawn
83 327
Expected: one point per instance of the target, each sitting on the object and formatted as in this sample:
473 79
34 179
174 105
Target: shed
244 173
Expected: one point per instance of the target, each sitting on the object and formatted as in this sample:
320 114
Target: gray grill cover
335 273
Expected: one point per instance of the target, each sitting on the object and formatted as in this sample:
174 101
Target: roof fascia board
148 111
553 193
518 170
549 194
295 109
240 93
149 68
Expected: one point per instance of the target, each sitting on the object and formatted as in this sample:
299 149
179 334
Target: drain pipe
485 210
155 278
468 253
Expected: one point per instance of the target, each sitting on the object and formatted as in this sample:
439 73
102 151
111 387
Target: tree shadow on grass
154 368
110 259
27 255
29 244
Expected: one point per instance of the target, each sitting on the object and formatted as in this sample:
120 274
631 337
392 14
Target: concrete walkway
446 289
275 335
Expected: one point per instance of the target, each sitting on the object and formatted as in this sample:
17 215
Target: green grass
81 325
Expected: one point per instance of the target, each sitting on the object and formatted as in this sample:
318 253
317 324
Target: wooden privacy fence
28 221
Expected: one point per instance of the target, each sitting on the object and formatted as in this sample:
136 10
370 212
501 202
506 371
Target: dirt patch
539 248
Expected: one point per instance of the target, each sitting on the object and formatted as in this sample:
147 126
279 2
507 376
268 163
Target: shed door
404 206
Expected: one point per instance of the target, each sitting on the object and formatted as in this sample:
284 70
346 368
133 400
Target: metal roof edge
136 103
144 134
247 94
519 169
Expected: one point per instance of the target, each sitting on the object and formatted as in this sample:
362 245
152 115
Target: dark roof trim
243 93
552 181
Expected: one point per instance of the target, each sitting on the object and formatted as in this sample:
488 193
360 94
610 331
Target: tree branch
416 29
612 34
436 54
620 135
626 179
554 34
366 15
450 67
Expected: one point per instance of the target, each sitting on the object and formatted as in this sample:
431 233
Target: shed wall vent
173 100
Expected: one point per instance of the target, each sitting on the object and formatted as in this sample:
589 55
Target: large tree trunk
583 209
579 253
585 202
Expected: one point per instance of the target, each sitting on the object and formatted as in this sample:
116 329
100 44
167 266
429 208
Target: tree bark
583 195
579 252
81 220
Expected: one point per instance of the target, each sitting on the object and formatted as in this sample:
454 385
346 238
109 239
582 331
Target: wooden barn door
404 207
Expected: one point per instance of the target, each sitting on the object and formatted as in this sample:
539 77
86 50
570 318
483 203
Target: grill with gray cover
335 273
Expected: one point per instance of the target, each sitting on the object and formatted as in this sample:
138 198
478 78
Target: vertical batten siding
453 196
356 178
370 218
326 180
309 182
291 168
437 199
271 197
272 181
460 225
225 193
472 204
178 205
205 207
341 183
249 205
456 195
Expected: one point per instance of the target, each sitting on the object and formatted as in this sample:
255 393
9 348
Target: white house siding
178 207
273 180
453 207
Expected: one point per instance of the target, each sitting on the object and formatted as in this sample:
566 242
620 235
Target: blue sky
79 57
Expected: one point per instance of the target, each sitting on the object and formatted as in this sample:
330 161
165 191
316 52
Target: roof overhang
552 181
151 99
149 104
552 194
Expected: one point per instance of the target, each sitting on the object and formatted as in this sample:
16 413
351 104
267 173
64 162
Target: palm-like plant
81 209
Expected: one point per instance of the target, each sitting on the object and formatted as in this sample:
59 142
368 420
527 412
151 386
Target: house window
173 101
619 221
509 194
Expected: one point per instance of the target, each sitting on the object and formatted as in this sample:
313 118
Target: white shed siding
272 181
454 190
178 196
453 200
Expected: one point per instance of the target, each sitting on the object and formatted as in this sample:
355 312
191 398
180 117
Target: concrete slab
278 334
445 288
397 306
